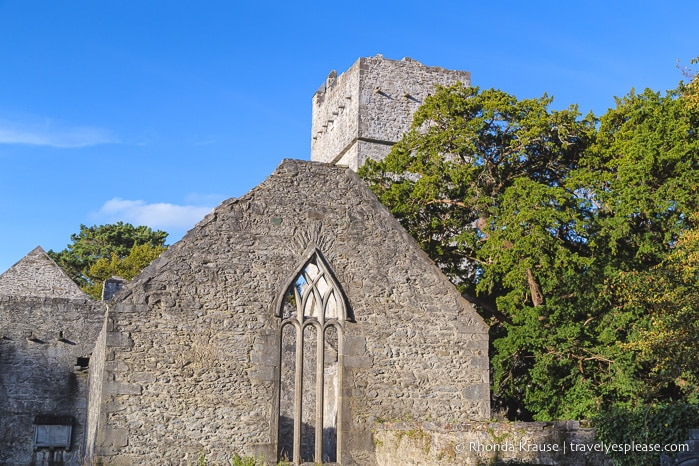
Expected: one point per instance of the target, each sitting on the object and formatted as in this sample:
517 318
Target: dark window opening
83 364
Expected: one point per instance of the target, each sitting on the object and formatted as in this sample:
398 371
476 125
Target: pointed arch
314 291
312 302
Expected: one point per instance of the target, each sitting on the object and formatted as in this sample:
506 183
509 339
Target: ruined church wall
445 443
179 381
38 374
193 354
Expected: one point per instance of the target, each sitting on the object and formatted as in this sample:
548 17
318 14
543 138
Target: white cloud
156 215
49 134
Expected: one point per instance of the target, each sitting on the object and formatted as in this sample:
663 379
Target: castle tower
360 114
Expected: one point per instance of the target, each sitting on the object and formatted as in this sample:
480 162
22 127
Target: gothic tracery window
313 312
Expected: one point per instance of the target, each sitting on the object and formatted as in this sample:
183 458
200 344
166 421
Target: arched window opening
313 312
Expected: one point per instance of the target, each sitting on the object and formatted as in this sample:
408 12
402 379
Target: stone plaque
52 435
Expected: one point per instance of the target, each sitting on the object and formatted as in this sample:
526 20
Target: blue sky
153 112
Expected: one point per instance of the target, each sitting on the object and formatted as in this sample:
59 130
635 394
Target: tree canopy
99 252
540 216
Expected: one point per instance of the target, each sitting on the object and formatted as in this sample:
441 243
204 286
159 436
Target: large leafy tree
94 249
482 182
457 179
638 185
665 338
537 215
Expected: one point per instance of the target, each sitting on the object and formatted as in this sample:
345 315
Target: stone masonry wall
371 103
335 116
39 276
95 389
563 443
41 340
193 356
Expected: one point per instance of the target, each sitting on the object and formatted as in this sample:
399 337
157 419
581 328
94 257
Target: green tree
638 184
665 339
482 182
91 244
126 267
540 217
642 176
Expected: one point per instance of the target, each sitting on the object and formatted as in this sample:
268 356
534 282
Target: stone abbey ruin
299 322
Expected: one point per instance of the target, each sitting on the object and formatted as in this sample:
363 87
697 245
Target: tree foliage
665 424
539 216
105 246
665 301
126 267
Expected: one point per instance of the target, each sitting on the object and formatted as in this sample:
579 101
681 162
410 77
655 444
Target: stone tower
360 114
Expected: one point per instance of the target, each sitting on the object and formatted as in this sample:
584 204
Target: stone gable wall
37 275
363 112
40 342
192 358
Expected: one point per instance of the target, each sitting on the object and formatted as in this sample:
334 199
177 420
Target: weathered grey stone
360 114
358 361
118 339
449 443
111 287
41 339
37 275
476 392
215 352
116 388
115 437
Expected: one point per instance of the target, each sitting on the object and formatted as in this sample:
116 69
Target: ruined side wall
95 389
195 340
180 381
564 443
38 275
37 371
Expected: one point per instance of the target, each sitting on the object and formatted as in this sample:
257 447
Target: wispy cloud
50 134
156 215
205 142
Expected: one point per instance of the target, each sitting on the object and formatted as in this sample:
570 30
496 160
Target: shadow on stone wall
286 442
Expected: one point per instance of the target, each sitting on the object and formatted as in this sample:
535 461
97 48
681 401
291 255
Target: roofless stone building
284 325
48 328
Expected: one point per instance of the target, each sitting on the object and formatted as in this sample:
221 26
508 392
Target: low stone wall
563 443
